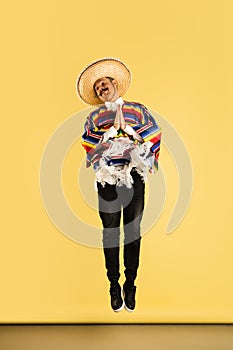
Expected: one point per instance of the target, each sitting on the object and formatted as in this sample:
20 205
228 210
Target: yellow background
180 54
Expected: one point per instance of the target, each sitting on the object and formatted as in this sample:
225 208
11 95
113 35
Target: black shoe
129 297
117 302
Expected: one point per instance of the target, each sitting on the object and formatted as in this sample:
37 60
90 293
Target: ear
114 82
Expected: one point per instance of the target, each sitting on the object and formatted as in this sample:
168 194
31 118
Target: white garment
112 106
139 157
130 131
111 132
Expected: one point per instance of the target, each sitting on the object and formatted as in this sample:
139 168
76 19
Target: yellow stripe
148 138
88 144
95 116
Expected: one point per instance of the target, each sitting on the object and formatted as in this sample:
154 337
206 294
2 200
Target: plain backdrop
180 54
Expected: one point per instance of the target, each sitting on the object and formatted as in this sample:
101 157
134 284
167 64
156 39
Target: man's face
106 89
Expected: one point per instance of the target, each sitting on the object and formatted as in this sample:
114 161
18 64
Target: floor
111 337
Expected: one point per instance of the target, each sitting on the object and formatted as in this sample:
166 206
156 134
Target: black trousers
114 200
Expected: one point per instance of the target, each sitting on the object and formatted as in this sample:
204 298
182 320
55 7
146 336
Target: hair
110 78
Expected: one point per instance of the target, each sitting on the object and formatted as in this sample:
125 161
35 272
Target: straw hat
106 67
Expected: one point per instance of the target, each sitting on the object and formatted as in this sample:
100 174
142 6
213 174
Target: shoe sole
129 310
121 308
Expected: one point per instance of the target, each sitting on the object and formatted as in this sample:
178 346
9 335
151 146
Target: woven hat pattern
106 67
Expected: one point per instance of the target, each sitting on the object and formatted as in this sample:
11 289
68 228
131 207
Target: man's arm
93 137
148 130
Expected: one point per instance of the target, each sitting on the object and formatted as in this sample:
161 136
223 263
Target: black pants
111 200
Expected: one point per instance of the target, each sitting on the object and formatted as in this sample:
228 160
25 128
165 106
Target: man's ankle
129 283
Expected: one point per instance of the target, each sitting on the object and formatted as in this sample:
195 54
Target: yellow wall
180 54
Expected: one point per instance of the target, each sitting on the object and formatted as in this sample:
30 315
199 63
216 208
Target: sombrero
106 67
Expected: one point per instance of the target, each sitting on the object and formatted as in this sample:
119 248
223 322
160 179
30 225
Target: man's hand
122 120
119 121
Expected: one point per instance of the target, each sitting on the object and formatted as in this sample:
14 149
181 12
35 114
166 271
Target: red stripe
87 148
133 111
156 139
94 135
145 127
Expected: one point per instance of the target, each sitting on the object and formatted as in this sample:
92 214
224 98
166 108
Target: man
122 141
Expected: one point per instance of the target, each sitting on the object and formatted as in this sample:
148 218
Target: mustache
102 90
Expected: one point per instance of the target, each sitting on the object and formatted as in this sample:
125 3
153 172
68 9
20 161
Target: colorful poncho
114 159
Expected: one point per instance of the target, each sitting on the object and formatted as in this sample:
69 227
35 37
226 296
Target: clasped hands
119 122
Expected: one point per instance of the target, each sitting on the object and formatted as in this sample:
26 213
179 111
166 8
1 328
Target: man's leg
132 219
110 214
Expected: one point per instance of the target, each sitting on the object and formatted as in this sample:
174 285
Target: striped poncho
138 117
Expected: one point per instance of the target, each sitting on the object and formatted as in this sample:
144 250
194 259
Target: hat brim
106 67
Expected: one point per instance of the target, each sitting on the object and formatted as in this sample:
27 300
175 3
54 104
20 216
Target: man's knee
111 237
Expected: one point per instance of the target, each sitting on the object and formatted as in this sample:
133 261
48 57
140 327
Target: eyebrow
97 84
